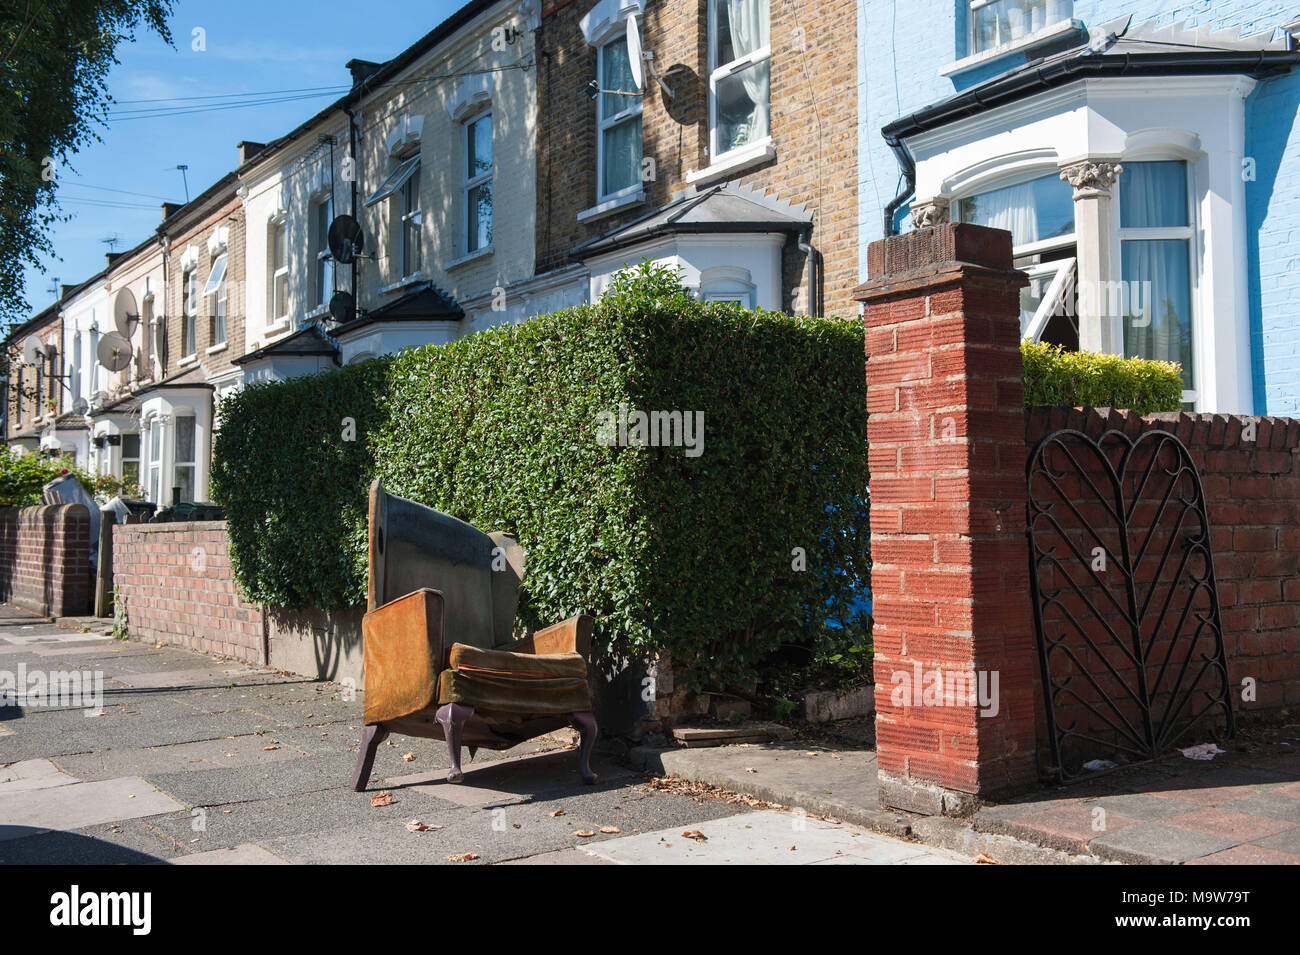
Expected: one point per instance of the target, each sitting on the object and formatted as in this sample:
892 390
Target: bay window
183 459
1039 214
740 56
1155 261
619 117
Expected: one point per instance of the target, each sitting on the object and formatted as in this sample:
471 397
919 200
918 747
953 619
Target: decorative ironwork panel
1125 602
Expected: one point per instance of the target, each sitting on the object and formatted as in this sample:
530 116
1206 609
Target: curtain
1011 208
751 30
1158 310
1153 195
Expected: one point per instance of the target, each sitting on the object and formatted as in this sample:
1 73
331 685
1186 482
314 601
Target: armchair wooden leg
453 717
371 737
585 723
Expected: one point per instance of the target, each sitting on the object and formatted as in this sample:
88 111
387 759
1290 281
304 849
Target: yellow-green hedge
1054 376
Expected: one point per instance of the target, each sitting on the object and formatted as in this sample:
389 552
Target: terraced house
1143 155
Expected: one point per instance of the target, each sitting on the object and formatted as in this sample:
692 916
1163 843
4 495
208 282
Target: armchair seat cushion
515 682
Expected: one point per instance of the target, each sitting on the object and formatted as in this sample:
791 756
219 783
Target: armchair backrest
414 546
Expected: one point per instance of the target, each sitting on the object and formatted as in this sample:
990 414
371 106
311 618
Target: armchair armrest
403 653
570 636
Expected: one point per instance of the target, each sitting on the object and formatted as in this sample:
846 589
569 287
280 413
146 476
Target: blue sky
115 187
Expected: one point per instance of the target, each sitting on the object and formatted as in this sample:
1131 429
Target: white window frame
1188 234
410 222
719 71
1028 37
605 123
220 296
190 321
323 261
124 461
193 462
155 475
279 272
474 181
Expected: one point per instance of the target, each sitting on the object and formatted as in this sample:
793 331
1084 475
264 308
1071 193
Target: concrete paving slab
560 857
1153 842
206 754
247 854
127 843
765 838
513 779
82 804
218 787
174 678
31 774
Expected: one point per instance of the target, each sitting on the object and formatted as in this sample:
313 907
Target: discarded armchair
440 658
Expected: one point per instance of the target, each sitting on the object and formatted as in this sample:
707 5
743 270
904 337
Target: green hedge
22 477
692 554
1054 376
294 485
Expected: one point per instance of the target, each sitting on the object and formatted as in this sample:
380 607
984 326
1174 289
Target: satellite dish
634 54
346 239
33 350
114 352
126 316
80 406
343 307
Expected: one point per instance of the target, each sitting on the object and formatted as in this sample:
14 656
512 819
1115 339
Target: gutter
907 165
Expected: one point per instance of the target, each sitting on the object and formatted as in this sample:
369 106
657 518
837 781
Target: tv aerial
114 352
346 239
126 316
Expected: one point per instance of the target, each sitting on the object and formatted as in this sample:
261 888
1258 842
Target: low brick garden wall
1252 493
45 559
174 585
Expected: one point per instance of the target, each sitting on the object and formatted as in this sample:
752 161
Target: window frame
1186 233
604 124
279 230
472 182
126 459
192 464
220 301
973 50
719 71
410 221
189 321
323 260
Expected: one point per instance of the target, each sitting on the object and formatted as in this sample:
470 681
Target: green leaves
1054 376
689 554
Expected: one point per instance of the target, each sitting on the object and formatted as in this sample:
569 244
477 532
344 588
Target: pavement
158 755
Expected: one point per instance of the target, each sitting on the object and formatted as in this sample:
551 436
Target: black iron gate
1125 603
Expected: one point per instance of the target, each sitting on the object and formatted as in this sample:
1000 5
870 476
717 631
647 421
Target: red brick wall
175 583
946 400
45 559
1252 491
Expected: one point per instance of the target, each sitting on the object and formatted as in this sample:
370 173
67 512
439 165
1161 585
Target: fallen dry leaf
267 749
408 757
382 798
415 825
695 834
557 813
750 769
584 833
985 859
462 857
610 830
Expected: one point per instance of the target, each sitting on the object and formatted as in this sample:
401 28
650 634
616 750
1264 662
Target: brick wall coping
39 511
1218 431
175 527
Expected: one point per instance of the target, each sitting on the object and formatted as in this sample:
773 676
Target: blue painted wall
905 44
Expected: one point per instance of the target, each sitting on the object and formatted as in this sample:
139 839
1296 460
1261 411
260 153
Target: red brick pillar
954 640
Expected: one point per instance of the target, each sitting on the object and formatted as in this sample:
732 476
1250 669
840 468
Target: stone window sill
1053 31
612 205
736 161
474 256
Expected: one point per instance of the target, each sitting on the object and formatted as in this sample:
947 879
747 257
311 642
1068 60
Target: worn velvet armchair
441 660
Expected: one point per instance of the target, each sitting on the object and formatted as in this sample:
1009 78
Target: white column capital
1091 179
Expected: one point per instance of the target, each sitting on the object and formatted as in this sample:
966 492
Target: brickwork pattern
45 559
176 585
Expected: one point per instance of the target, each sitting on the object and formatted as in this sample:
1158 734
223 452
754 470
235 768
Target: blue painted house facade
1144 155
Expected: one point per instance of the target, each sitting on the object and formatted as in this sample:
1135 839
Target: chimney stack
362 70
249 149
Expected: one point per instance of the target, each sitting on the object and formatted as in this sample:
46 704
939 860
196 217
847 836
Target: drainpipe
805 246
356 171
908 167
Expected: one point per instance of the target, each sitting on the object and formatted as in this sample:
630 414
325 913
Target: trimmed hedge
294 487
670 550
693 554
1054 376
